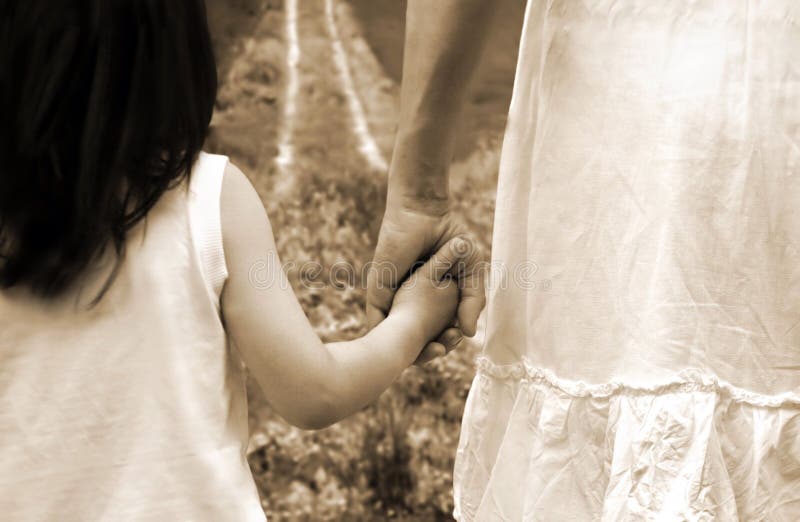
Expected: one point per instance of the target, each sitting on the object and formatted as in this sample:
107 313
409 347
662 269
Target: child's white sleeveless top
134 409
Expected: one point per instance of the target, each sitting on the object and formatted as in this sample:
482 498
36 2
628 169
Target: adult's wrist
418 185
421 161
402 199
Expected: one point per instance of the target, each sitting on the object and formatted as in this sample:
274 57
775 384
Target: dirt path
314 89
291 110
331 184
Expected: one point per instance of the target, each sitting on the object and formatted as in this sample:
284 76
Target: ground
307 105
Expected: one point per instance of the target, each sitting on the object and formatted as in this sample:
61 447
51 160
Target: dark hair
105 105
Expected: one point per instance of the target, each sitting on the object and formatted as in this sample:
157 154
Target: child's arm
309 383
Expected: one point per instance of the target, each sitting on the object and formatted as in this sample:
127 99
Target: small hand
430 294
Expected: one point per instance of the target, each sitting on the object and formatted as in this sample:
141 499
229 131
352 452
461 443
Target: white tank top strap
205 189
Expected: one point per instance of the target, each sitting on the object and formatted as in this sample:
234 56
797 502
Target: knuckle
452 344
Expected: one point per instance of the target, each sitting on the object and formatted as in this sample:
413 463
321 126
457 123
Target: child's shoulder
236 187
241 207
246 230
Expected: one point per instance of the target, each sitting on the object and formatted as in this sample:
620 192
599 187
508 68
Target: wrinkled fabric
536 447
647 232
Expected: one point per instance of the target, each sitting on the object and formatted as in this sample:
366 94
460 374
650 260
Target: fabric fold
692 448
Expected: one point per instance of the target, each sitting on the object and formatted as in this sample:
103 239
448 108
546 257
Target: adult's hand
442 46
410 232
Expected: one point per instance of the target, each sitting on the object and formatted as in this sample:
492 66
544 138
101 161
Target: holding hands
431 292
415 313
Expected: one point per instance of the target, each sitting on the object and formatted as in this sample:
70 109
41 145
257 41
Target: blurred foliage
393 460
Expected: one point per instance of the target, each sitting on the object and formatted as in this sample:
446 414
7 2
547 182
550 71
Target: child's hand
429 297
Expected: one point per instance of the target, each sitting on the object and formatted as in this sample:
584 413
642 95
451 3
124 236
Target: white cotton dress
642 357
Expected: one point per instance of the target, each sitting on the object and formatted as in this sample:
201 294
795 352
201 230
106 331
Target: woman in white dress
651 172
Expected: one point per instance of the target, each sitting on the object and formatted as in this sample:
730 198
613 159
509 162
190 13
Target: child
128 261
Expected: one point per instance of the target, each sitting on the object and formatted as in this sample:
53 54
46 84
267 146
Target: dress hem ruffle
691 379
535 446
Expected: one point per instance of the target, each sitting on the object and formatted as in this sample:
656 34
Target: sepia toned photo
399 260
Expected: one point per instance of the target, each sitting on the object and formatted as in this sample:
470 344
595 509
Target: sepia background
307 105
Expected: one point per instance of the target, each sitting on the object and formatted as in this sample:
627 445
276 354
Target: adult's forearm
444 39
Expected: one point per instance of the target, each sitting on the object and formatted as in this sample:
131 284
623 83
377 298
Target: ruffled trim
694 447
687 380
